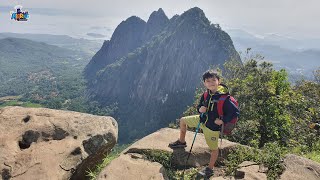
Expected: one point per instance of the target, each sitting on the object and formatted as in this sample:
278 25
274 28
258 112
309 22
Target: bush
271 156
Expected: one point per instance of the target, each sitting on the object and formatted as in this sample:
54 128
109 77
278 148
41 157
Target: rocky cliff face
153 68
129 35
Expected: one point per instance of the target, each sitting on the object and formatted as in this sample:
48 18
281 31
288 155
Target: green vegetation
313 155
164 158
15 101
20 103
67 91
270 156
42 78
25 63
68 94
116 150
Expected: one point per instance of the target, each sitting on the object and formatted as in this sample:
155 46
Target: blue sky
292 18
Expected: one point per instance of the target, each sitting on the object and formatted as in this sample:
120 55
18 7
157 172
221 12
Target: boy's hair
210 74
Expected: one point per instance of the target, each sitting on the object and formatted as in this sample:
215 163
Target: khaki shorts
211 137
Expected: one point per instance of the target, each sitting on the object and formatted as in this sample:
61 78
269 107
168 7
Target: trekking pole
221 136
194 138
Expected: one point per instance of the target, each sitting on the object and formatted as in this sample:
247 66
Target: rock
133 164
222 178
40 143
299 168
246 164
160 139
131 161
126 167
250 171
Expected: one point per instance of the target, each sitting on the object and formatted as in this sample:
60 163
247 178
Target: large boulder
40 143
199 156
300 168
132 163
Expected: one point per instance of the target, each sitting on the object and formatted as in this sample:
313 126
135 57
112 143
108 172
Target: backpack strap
221 101
205 96
205 101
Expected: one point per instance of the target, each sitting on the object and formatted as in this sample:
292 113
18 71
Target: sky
290 18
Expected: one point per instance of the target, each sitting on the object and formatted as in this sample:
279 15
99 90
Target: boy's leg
190 121
183 130
213 158
212 138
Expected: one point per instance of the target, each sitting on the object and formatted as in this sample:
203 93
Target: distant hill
80 45
298 57
153 68
25 63
275 40
96 35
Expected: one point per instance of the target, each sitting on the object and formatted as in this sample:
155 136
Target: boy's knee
182 121
214 151
183 124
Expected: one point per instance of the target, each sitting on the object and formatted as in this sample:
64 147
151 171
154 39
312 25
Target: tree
262 94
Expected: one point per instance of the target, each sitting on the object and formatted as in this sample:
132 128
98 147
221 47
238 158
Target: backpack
227 127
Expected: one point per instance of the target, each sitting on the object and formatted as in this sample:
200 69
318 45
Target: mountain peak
157 15
156 22
194 13
132 22
133 19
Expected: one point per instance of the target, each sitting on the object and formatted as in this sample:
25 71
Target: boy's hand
218 121
203 109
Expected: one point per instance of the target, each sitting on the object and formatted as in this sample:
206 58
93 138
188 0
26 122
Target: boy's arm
230 111
201 103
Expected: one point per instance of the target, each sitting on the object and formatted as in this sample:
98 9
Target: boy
210 122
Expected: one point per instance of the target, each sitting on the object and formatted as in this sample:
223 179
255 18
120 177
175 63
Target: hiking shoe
206 172
177 144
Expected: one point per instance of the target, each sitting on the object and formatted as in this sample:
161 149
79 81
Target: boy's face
211 84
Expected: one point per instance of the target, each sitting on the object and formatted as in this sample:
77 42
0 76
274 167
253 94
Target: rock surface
250 171
300 168
128 166
133 164
130 159
40 143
